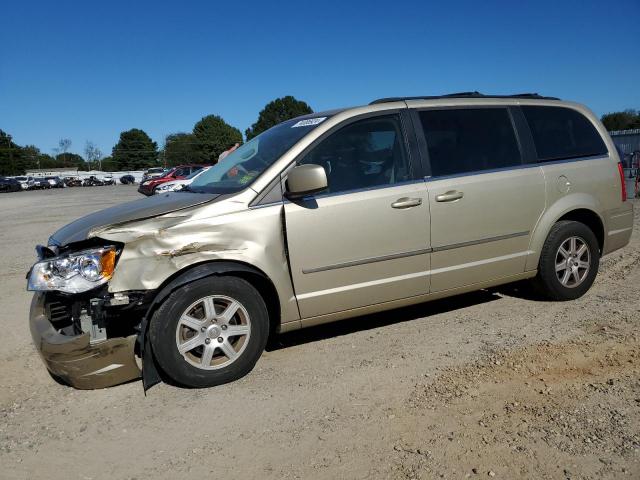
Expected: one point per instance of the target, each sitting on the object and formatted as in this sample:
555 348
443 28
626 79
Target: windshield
241 167
22 179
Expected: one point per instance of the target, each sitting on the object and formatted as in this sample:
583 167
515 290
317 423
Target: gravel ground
489 384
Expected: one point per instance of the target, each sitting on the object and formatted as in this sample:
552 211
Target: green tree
181 148
627 120
33 158
108 164
135 150
275 112
70 160
213 136
10 155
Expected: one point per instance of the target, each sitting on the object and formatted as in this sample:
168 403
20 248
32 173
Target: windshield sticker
309 122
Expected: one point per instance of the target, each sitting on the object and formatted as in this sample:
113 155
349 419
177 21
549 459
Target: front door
365 240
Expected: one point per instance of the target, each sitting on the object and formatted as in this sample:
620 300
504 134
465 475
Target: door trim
364 261
479 241
393 256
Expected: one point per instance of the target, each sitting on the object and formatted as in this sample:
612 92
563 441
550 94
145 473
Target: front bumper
75 360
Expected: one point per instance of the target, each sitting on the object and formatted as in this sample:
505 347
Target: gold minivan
327 217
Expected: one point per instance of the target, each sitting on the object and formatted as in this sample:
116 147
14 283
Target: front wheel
210 332
568 262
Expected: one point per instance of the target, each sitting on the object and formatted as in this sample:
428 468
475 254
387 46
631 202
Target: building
629 142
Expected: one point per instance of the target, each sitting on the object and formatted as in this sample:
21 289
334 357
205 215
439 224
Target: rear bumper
75 360
619 224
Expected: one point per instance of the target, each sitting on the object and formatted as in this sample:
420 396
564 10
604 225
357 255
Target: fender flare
150 370
563 206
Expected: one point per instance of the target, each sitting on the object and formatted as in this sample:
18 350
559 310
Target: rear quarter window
562 133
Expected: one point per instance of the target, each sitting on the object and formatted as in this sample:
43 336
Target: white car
176 185
26 182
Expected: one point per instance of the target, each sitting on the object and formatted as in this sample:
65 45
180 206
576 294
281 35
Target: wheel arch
589 218
582 208
248 272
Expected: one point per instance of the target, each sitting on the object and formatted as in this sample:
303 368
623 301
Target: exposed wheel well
590 219
268 291
247 272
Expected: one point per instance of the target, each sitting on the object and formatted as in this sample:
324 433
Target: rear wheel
210 332
568 262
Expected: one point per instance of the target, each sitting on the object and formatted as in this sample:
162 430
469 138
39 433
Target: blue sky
88 70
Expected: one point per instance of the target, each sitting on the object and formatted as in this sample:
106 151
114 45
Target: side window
560 133
468 140
366 153
179 172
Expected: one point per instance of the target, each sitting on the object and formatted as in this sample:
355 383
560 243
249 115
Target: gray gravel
490 384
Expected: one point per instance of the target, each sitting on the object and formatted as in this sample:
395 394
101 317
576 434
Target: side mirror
305 180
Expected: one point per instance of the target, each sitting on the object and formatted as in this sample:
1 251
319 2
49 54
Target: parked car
55 182
72 181
26 183
177 185
40 183
108 180
127 179
9 184
181 172
153 172
326 217
92 181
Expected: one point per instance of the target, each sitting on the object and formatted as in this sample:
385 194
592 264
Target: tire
576 274
171 327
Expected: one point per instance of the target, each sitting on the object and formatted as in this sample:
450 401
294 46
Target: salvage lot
486 383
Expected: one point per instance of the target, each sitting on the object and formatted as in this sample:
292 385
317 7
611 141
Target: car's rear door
365 240
484 200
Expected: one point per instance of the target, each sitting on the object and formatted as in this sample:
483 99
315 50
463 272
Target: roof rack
463 95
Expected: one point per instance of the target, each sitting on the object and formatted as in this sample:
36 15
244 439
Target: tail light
623 184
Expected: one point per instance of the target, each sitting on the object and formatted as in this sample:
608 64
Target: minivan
327 217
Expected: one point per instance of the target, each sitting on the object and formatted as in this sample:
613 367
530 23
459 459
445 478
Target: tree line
135 150
627 120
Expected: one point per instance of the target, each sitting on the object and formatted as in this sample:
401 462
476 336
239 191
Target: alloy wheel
573 260
213 332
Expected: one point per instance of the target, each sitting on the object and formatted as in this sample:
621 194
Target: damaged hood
126 212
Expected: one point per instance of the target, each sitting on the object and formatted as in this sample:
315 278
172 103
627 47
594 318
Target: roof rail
463 95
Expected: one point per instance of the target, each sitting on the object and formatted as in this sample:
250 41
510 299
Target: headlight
75 272
166 188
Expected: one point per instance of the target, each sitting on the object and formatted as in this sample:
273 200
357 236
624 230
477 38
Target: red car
176 173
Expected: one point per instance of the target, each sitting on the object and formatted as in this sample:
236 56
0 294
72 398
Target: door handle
450 196
406 202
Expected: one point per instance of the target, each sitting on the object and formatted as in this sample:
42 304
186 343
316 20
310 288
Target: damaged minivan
327 217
